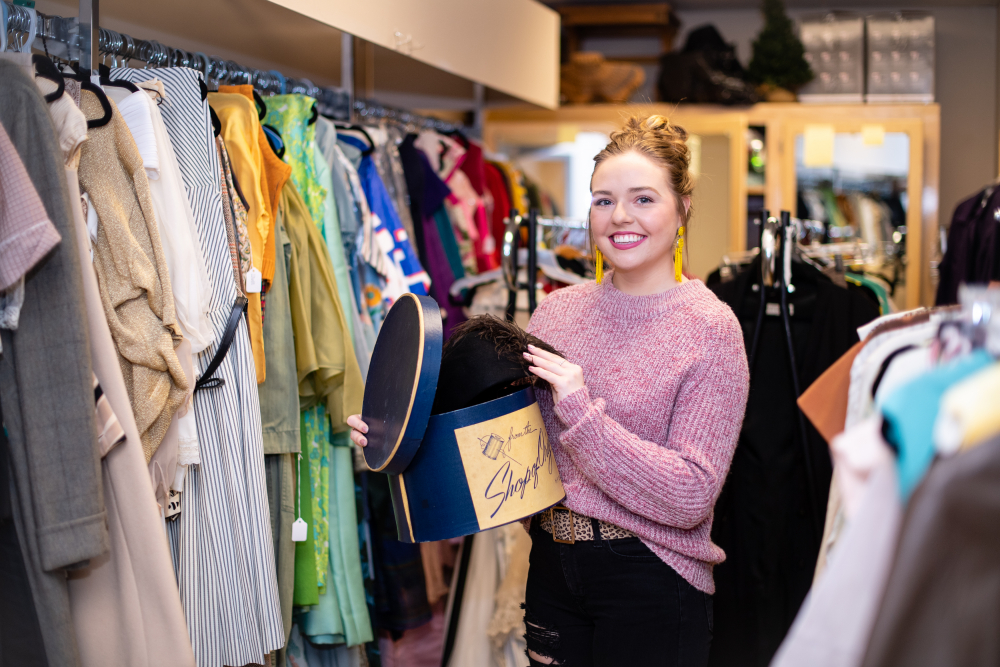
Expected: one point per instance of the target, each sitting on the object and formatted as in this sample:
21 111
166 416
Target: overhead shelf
436 69
510 46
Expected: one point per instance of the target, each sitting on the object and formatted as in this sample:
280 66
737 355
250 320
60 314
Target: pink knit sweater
647 443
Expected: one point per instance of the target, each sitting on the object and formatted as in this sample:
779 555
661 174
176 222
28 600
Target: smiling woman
644 412
643 407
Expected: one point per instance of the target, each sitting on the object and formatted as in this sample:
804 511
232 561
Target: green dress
316 445
289 115
342 613
306 589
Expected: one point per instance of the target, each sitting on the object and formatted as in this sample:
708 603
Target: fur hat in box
484 360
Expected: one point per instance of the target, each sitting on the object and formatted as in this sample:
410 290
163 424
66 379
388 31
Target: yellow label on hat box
509 467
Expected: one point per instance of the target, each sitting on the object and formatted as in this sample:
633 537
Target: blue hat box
459 472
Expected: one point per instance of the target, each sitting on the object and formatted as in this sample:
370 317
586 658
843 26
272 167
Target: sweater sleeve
675 483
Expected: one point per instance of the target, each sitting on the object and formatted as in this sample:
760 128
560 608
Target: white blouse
179 238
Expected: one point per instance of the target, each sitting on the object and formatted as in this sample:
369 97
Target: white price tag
253 281
173 505
300 530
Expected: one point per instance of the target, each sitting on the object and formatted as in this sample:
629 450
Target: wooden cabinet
921 123
723 225
618 20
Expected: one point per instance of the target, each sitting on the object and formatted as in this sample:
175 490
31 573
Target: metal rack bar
370 109
347 72
532 260
564 223
89 35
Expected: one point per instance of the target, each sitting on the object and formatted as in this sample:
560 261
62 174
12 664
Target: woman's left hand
564 377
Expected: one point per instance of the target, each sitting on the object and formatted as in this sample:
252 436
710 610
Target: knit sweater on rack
648 441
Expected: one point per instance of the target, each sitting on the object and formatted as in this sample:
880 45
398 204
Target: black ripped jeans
612 603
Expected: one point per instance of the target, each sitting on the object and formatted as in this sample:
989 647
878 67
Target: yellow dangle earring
598 265
679 255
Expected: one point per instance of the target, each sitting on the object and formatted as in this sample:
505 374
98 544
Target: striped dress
222 546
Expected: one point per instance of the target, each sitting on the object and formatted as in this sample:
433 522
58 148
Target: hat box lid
402 381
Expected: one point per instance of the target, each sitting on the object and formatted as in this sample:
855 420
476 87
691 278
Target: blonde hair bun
665 144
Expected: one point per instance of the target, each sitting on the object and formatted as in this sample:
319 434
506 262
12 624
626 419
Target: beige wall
708 231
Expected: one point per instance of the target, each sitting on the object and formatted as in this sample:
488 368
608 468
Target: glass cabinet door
852 193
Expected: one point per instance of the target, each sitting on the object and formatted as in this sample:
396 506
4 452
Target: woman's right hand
358 429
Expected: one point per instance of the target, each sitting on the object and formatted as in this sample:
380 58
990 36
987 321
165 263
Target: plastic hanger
358 128
106 80
315 114
103 99
216 123
86 84
46 69
459 135
276 141
262 108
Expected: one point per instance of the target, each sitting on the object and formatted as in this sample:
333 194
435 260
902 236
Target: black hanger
103 99
204 89
46 69
458 134
216 123
362 130
315 114
85 84
261 107
105 73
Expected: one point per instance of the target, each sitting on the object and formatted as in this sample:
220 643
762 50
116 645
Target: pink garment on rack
419 647
26 233
474 213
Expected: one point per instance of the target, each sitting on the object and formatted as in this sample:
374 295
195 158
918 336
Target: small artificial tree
778 56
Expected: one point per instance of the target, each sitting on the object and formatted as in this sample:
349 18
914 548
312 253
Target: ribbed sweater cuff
573 408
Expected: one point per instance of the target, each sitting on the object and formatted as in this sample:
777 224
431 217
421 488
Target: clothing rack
64 32
512 252
563 223
852 250
775 273
123 49
512 239
882 184
366 109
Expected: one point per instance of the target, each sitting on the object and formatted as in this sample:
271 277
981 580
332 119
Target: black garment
413 173
400 590
764 519
973 254
611 603
20 635
705 71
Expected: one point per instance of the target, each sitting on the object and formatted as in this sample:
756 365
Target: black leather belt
206 381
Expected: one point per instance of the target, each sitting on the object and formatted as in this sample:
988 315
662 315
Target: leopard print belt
568 527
